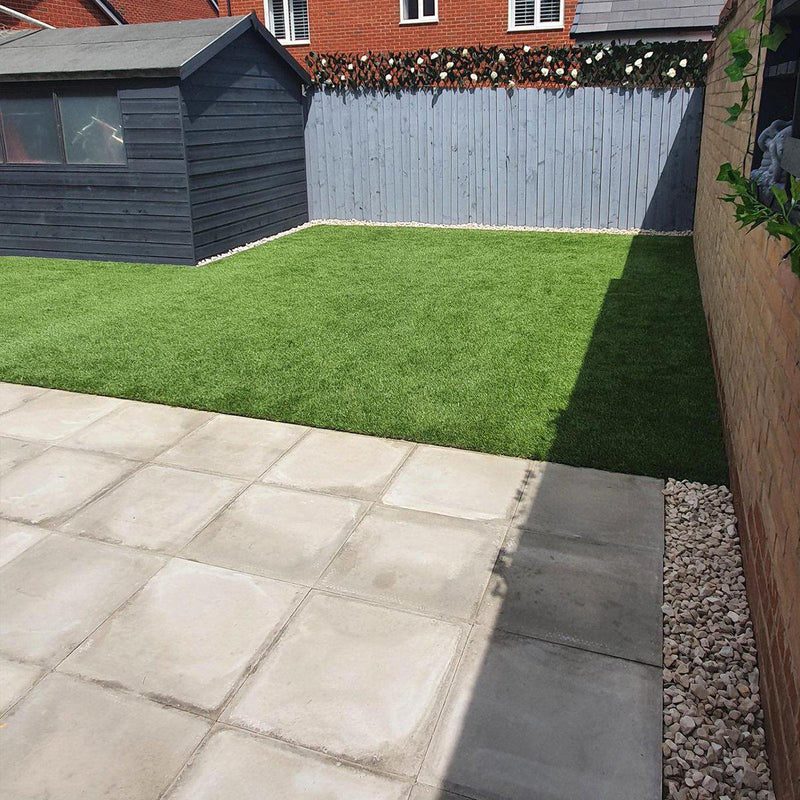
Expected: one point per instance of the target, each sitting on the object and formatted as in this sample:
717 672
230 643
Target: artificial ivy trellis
650 64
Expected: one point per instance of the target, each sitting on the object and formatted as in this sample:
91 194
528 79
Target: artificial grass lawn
585 349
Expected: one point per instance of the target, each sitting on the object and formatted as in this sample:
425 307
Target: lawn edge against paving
586 349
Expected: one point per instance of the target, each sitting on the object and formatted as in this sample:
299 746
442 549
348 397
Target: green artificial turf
580 348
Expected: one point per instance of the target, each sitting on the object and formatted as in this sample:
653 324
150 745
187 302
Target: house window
288 21
531 15
415 11
61 128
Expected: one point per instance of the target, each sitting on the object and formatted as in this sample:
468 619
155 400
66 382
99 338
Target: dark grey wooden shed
166 142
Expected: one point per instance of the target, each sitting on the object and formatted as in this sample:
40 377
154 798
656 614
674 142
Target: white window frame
420 20
289 21
538 25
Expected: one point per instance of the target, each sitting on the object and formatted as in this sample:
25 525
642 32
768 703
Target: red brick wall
752 303
59 13
362 25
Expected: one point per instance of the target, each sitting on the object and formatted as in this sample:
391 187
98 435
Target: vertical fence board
595 157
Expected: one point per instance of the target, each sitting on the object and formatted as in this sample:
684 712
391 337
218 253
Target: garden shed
166 142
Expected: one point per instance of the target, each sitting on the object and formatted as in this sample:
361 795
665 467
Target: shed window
528 15
59 128
30 130
92 127
412 11
288 20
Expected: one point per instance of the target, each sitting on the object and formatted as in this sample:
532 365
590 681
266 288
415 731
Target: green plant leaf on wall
772 41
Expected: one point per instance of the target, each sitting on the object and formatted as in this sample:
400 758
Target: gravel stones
714 744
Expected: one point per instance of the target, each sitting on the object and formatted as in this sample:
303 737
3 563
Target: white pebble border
470 226
714 744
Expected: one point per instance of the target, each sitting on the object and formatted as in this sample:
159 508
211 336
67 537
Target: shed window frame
54 92
289 24
422 19
538 25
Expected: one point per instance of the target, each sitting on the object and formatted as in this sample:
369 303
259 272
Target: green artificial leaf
734 112
761 11
780 195
772 41
735 72
726 172
738 40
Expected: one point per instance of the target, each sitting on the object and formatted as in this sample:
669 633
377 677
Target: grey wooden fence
593 157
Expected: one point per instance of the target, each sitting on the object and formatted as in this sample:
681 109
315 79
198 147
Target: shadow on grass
653 388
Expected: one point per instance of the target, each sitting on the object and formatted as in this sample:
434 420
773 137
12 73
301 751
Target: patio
196 605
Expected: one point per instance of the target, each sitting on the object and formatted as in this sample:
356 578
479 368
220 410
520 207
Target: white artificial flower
683 62
350 67
526 48
501 58
573 85
545 71
474 77
329 82
450 65
589 60
411 69
638 63
648 54
389 76
434 56
442 75
574 73
391 62
671 73
598 56
560 71
628 69
549 59
705 57
323 61
420 60
511 84
363 58
494 75
465 52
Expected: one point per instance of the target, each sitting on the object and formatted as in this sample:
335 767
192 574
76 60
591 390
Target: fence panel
593 157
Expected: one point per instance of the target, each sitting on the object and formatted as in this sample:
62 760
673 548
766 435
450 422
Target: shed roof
632 16
158 49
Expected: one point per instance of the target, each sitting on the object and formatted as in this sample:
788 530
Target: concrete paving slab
587 594
16 538
353 680
15 394
277 532
458 483
16 451
233 765
70 739
158 508
421 792
55 594
15 679
424 562
608 506
529 719
340 463
235 446
188 636
54 415
137 430
54 484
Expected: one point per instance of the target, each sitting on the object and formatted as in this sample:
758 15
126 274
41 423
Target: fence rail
592 158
